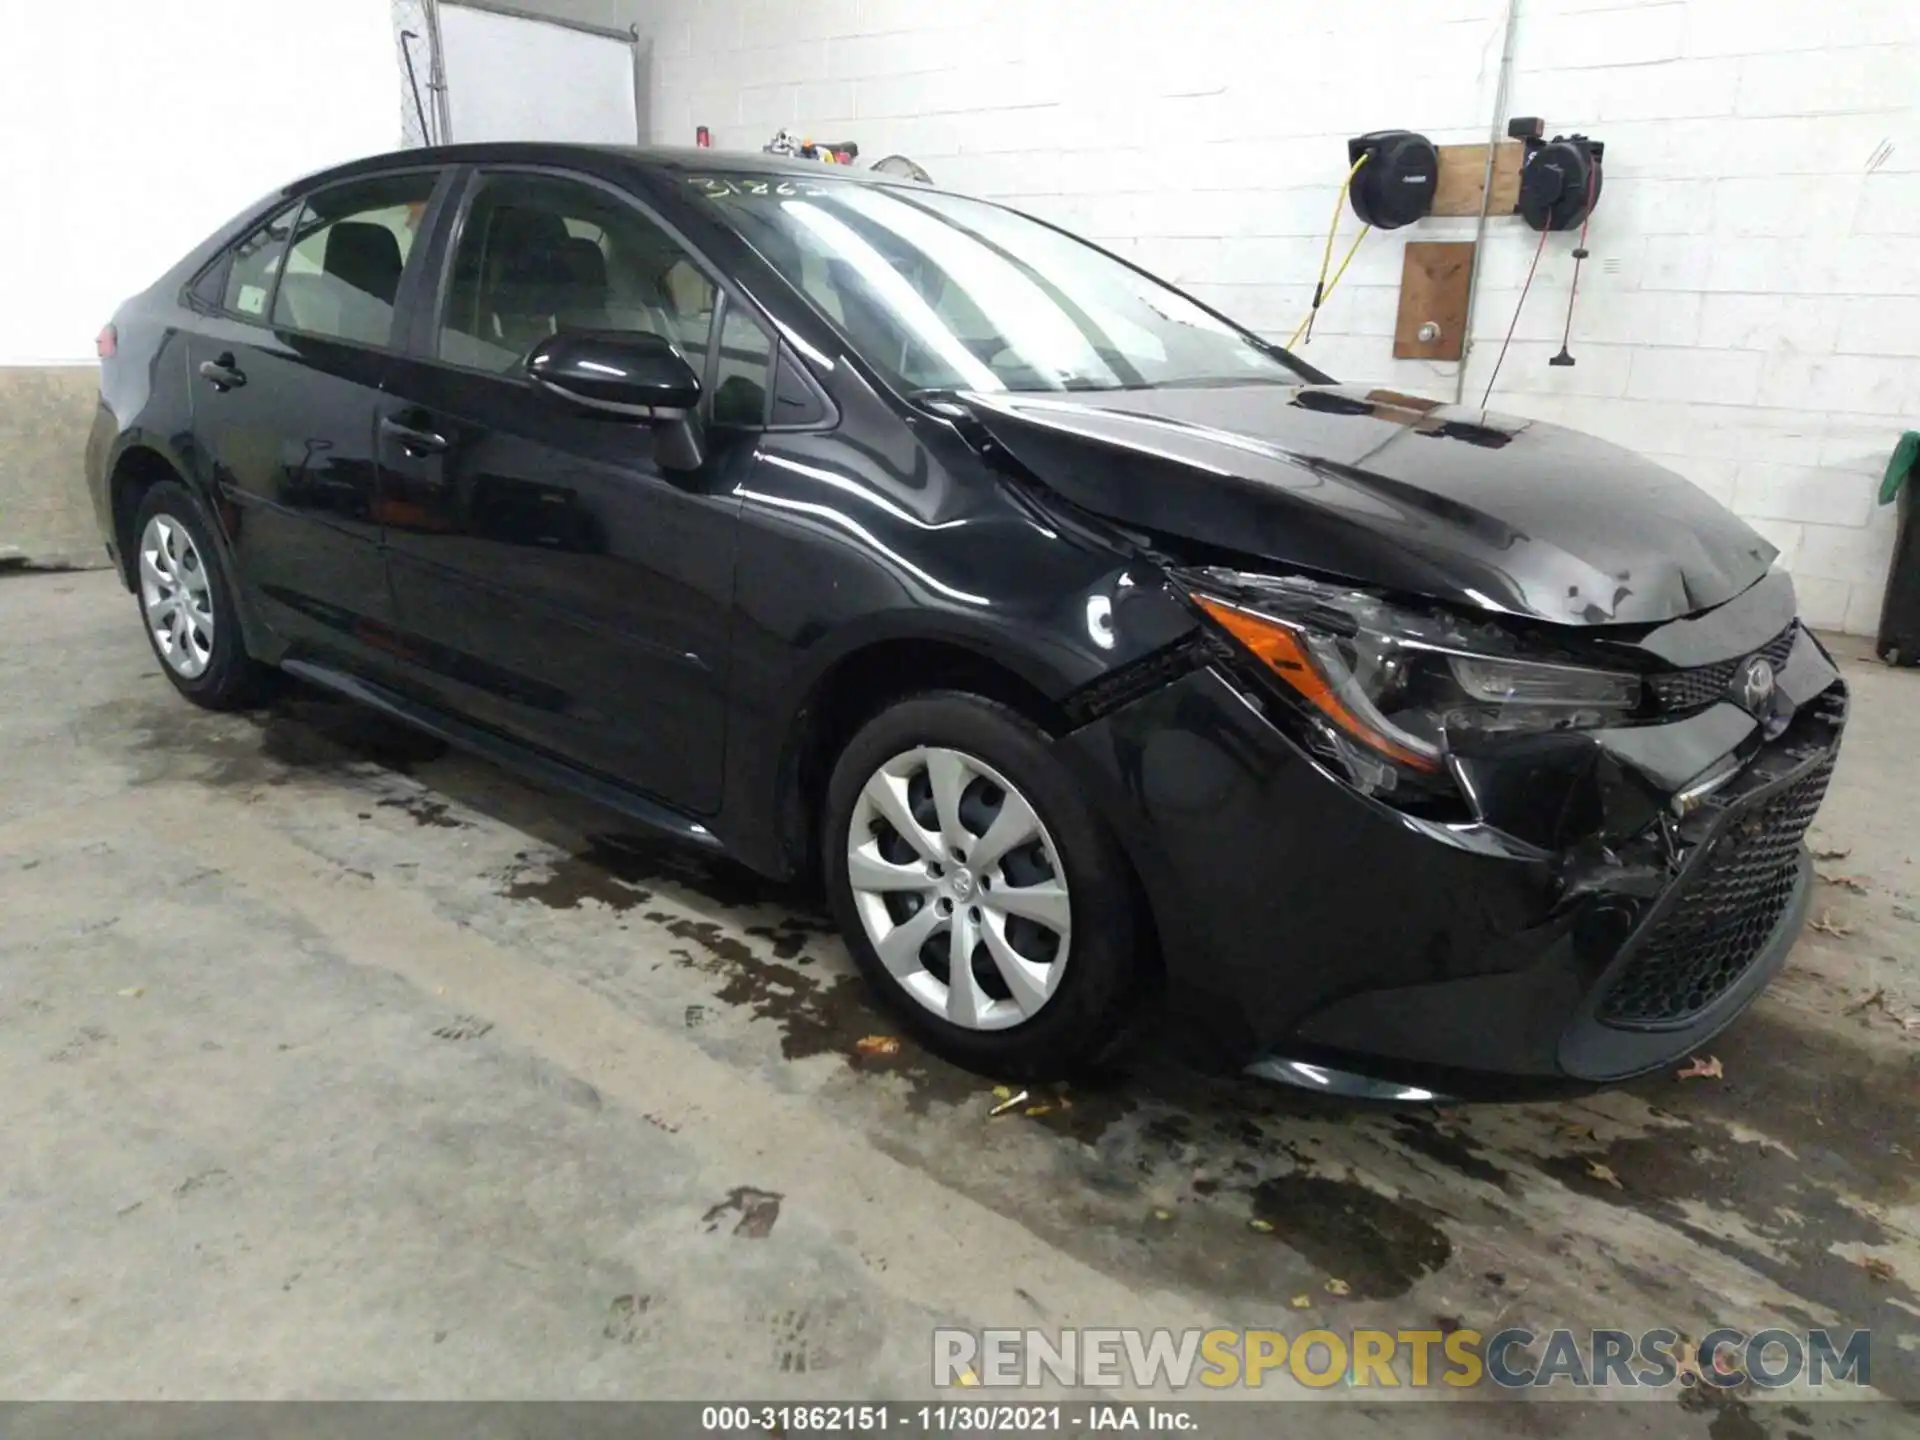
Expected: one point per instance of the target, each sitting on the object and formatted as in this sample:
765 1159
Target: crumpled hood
1486 511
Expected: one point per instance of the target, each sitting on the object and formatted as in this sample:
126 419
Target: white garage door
515 79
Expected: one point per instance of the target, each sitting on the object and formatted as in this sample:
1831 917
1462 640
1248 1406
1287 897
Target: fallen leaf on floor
1686 1360
1301 1302
1876 997
1698 1069
1002 1092
1578 1132
1832 852
133 992
1827 925
1845 882
756 1209
1876 1267
1601 1172
1007 1104
1163 1215
1265 1227
1034 1112
877 1045
1339 1287
1911 1024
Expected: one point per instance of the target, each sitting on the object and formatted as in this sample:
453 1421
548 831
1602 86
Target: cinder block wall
45 516
1751 311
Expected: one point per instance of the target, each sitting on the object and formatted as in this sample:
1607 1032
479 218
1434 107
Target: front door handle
222 373
415 442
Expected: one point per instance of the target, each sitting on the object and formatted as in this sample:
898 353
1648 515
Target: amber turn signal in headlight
1289 652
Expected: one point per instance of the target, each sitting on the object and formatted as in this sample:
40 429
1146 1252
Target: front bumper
1301 921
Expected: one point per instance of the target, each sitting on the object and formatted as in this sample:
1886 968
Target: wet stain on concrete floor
301 735
1802 1232
1378 1248
571 881
427 813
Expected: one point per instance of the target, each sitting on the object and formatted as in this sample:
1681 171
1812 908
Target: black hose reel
1559 180
1395 185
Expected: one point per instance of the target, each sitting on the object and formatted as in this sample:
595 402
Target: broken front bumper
1301 921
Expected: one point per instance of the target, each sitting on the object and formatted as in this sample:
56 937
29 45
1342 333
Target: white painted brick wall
1751 312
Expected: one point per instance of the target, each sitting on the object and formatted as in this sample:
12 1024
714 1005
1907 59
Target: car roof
684 160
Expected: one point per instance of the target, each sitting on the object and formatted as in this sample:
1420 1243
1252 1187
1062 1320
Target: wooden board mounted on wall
1463 176
1434 280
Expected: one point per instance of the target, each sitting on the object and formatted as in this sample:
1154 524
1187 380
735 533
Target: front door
554 581
286 382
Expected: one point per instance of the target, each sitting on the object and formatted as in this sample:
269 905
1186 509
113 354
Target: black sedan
1111 666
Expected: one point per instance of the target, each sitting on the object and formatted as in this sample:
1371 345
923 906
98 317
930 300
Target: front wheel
978 891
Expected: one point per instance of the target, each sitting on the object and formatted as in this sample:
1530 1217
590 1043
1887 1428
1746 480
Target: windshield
946 293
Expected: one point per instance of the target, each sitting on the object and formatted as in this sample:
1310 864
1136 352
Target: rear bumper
99 459
1303 921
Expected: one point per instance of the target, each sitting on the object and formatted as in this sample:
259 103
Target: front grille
1679 690
1715 928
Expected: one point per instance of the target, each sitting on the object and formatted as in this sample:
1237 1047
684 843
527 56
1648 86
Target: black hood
1384 489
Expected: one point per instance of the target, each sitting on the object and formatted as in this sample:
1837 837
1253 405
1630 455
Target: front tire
187 604
977 889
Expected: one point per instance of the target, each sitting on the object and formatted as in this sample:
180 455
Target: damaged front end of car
1489 765
1663 806
1422 849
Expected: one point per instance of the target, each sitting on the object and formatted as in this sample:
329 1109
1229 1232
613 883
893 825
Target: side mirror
641 376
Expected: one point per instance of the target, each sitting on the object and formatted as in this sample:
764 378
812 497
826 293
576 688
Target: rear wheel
186 603
978 891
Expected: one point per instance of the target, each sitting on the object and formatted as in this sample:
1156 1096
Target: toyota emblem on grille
1753 685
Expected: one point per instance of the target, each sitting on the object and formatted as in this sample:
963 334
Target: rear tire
951 830
187 605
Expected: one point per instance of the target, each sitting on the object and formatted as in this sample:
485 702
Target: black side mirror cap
619 373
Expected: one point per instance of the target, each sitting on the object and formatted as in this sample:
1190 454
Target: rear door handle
414 442
222 373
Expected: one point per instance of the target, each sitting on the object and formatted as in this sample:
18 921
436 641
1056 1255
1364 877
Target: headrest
365 256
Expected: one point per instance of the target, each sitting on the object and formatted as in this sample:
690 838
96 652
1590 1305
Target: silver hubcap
960 888
176 593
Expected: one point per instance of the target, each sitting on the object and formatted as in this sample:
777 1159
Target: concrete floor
333 1065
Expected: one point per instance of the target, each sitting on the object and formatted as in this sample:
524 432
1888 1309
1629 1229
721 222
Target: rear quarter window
252 265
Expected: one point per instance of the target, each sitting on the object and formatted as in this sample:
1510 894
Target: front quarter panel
890 528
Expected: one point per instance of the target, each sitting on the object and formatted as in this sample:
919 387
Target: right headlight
1389 691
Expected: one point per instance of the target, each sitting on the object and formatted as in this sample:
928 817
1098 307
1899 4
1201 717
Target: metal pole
642 120
1496 133
437 75
413 85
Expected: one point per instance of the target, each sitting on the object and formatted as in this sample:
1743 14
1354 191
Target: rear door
285 378
556 582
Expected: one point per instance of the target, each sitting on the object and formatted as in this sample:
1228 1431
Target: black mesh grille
1704 684
1717 925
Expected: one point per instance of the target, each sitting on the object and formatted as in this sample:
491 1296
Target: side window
538 254
251 266
740 379
349 251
